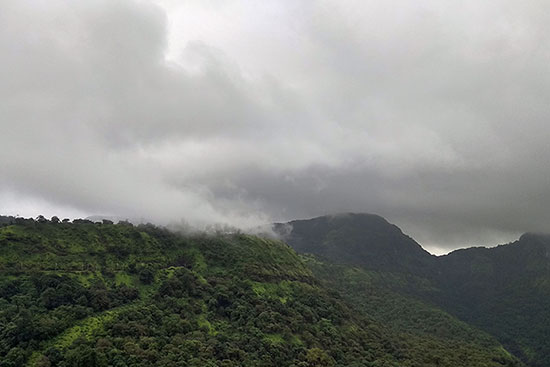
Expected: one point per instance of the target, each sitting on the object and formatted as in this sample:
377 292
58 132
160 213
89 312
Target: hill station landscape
343 290
282 183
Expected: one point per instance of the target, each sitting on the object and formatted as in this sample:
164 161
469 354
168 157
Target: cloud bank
433 114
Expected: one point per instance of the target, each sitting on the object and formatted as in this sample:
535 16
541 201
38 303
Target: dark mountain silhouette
504 290
359 239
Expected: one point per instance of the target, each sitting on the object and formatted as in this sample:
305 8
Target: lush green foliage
504 291
427 330
358 239
90 294
85 294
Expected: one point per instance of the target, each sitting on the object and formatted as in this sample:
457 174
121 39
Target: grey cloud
433 113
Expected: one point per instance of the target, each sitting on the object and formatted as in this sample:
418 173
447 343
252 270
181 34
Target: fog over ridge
433 114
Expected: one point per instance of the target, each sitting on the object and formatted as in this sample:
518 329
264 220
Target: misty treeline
180 227
9 220
102 294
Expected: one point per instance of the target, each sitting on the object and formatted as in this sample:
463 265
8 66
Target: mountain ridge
358 239
503 290
87 294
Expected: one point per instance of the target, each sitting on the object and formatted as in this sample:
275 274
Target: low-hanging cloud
432 113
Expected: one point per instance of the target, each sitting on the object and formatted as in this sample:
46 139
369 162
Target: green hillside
87 294
358 239
504 291
424 327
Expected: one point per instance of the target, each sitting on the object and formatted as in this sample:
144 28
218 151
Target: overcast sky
434 114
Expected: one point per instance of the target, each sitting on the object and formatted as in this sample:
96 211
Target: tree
146 275
42 361
317 357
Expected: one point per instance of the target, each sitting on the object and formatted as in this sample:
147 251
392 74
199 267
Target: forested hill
503 290
360 239
102 294
506 291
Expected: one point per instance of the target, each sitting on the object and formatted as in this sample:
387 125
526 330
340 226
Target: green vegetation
425 329
504 291
91 294
358 239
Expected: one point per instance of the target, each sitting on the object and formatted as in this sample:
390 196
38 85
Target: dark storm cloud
431 113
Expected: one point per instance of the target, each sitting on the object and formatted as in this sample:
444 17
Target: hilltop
104 294
359 239
503 290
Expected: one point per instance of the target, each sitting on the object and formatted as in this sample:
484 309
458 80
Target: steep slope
360 239
504 290
418 323
85 294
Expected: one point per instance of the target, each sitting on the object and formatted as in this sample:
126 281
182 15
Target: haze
433 114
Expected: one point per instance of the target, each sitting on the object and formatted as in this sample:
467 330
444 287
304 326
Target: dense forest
83 293
504 290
